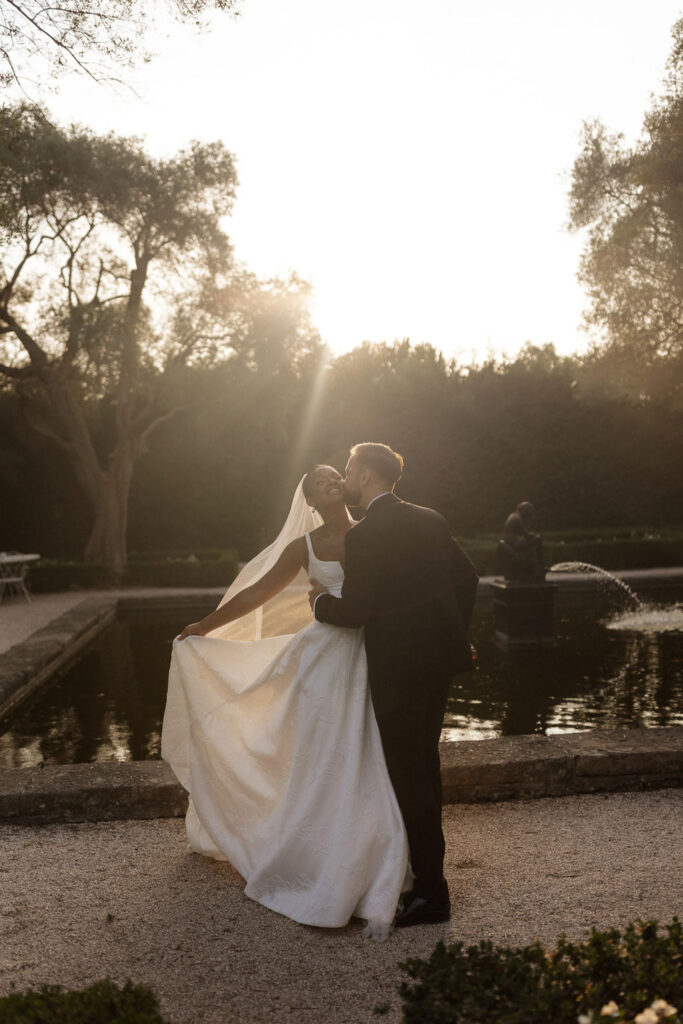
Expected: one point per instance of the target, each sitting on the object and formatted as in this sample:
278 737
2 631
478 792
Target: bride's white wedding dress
276 742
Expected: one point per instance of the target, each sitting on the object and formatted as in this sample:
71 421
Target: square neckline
324 561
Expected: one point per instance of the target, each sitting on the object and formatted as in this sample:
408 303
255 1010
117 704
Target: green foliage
101 1003
629 199
458 985
93 225
476 443
189 570
612 553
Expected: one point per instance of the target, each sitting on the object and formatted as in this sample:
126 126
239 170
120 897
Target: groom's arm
357 604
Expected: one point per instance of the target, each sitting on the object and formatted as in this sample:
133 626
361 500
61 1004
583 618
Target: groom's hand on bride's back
316 590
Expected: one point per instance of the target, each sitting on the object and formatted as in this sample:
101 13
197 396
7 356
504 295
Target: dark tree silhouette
93 226
631 200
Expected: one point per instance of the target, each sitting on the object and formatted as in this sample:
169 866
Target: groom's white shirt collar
372 500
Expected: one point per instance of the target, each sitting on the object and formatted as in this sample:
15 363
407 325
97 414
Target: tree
96 39
107 252
631 200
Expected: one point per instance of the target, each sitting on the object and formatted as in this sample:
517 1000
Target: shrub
610 553
491 985
101 1003
186 571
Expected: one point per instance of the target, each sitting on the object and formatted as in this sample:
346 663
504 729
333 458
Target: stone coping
473 771
24 667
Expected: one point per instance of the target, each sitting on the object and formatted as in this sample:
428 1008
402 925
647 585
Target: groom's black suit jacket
412 587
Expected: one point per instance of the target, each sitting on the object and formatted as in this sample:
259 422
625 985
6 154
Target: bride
276 742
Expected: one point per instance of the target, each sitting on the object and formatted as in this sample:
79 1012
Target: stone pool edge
473 771
29 663
25 666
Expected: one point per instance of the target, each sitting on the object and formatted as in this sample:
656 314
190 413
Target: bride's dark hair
306 482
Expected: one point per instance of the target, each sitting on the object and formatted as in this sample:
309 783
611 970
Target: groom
412 587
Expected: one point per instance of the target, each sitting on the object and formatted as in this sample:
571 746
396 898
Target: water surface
600 674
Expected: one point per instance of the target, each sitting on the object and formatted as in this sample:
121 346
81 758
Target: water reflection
109 706
595 677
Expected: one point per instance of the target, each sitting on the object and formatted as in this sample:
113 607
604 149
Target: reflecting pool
604 672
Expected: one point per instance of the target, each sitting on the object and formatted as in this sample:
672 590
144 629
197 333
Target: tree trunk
106 491
107 542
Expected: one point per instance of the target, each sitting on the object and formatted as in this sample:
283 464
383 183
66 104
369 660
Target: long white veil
301 519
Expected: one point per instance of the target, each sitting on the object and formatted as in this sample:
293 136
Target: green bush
187 571
101 1003
609 553
492 985
175 555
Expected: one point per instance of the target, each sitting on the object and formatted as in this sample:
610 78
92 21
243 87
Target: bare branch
147 433
53 39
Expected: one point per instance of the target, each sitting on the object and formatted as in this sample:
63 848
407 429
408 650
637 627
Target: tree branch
147 433
16 372
44 431
53 39
37 355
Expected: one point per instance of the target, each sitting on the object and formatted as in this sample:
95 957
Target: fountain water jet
643 617
605 577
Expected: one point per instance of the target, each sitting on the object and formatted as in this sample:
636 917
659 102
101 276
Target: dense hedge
608 553
101 1003
529 986
476 441
188 571
217 568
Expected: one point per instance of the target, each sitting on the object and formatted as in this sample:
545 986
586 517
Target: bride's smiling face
323 487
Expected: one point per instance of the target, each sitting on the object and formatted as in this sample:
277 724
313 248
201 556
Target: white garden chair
13 573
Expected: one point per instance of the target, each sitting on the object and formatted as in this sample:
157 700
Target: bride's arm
290 562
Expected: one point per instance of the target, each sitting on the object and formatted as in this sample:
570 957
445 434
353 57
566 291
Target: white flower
585 1018
647 1017
664 1009
610 1010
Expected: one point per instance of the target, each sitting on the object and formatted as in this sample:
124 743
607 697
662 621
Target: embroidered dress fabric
276 742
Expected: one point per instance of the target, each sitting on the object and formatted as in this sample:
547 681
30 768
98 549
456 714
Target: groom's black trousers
410 731
412 587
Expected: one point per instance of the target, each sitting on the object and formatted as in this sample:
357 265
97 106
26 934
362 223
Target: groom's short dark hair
381 459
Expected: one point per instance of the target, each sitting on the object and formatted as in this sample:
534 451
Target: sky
411 160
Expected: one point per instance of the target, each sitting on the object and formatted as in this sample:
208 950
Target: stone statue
520 552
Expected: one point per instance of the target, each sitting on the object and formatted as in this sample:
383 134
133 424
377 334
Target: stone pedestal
523 613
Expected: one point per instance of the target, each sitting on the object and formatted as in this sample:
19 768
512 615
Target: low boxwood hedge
101 1003
193 570
612 554
623 974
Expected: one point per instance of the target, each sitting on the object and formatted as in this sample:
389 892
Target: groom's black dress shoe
418 910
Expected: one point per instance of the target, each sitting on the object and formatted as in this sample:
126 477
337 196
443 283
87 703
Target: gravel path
127 900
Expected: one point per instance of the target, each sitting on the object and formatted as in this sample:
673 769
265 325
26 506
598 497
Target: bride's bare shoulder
297 551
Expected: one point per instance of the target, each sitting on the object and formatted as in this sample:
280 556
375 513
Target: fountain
641 617
605 577
523 602
649 618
